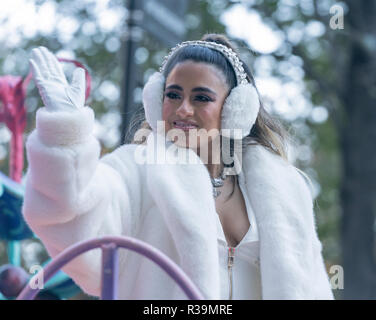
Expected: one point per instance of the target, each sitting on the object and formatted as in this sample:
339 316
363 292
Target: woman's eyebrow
177 87
204 89
174 86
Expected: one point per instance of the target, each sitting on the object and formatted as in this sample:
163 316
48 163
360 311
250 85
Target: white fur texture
152 97
290 251
71 127
71 195
240 109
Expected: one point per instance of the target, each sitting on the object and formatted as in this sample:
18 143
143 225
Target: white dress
242 281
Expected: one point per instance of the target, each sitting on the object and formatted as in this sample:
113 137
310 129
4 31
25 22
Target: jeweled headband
231 56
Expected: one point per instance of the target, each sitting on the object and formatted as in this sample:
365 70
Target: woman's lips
184 125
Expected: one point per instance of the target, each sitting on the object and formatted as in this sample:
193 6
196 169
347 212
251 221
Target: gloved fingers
41 63
49 63
38 80
59 68
35 70
53 65
78 79
76 92
47 60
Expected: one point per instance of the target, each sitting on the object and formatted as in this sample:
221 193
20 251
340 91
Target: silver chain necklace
218 183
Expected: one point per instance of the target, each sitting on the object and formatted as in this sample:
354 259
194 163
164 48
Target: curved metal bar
109 272
141 247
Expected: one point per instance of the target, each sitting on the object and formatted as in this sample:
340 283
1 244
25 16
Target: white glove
54 89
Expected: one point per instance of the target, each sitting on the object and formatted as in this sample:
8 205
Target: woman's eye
204 98
172 95
200 98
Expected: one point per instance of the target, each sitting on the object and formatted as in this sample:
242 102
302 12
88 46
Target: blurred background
314 64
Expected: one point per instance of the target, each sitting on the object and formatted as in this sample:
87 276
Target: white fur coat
72 195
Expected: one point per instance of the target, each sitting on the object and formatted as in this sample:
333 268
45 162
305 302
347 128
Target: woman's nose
185 109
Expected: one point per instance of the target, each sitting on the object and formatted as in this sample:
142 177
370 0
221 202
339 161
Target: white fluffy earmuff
152 98
239 111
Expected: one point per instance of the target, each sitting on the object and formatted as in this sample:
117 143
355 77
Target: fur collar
283 210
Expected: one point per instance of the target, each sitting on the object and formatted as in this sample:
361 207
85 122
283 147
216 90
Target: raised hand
55 91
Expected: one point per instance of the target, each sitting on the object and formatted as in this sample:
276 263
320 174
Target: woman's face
193 99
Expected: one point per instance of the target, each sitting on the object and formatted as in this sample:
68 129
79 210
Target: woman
241 225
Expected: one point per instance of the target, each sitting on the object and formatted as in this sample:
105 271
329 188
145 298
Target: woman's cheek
209 117
167 111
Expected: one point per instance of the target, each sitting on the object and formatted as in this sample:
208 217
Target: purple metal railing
109 246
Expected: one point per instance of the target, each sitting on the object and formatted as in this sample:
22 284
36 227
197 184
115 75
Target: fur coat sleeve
291 261
73 196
